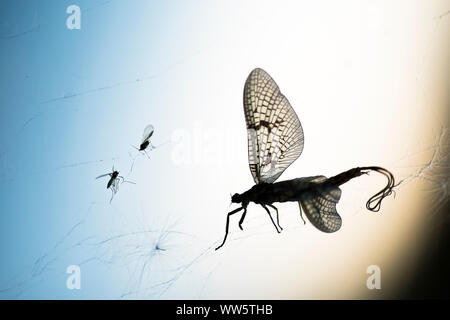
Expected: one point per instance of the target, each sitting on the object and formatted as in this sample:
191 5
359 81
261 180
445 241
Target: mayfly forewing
274 132
148 132
319 206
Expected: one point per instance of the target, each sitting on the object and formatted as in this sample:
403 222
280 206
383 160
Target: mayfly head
236 198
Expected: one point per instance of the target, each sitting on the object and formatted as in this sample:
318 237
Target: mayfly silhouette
114 181
275 141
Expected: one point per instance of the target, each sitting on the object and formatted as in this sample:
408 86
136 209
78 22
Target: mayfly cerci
275 141
114 181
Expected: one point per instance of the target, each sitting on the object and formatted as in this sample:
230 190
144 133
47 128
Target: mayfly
114 181
275 141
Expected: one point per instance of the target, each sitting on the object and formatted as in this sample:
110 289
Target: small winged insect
114 181
275 141
146 143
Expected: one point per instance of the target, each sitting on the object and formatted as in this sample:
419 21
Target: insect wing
148 132
115 185
274 132
319 206
103 175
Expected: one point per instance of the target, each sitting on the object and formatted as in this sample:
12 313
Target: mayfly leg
228 224
278 218
300 208
242 219
271 217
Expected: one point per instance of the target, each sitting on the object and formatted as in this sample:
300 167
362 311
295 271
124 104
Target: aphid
275 141
114 181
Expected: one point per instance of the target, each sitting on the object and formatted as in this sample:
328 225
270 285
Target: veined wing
148 131
275 135
319 206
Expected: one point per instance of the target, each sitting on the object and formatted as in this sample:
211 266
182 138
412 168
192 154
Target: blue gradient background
74 101
42 60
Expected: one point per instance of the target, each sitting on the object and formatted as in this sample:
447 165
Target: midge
114 180
275 141
145 143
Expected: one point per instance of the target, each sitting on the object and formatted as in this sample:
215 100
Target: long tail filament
374 203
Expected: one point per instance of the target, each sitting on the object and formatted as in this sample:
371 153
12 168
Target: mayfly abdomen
283 191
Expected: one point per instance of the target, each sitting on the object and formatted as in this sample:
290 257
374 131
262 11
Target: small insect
146 143
114 181
275 141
